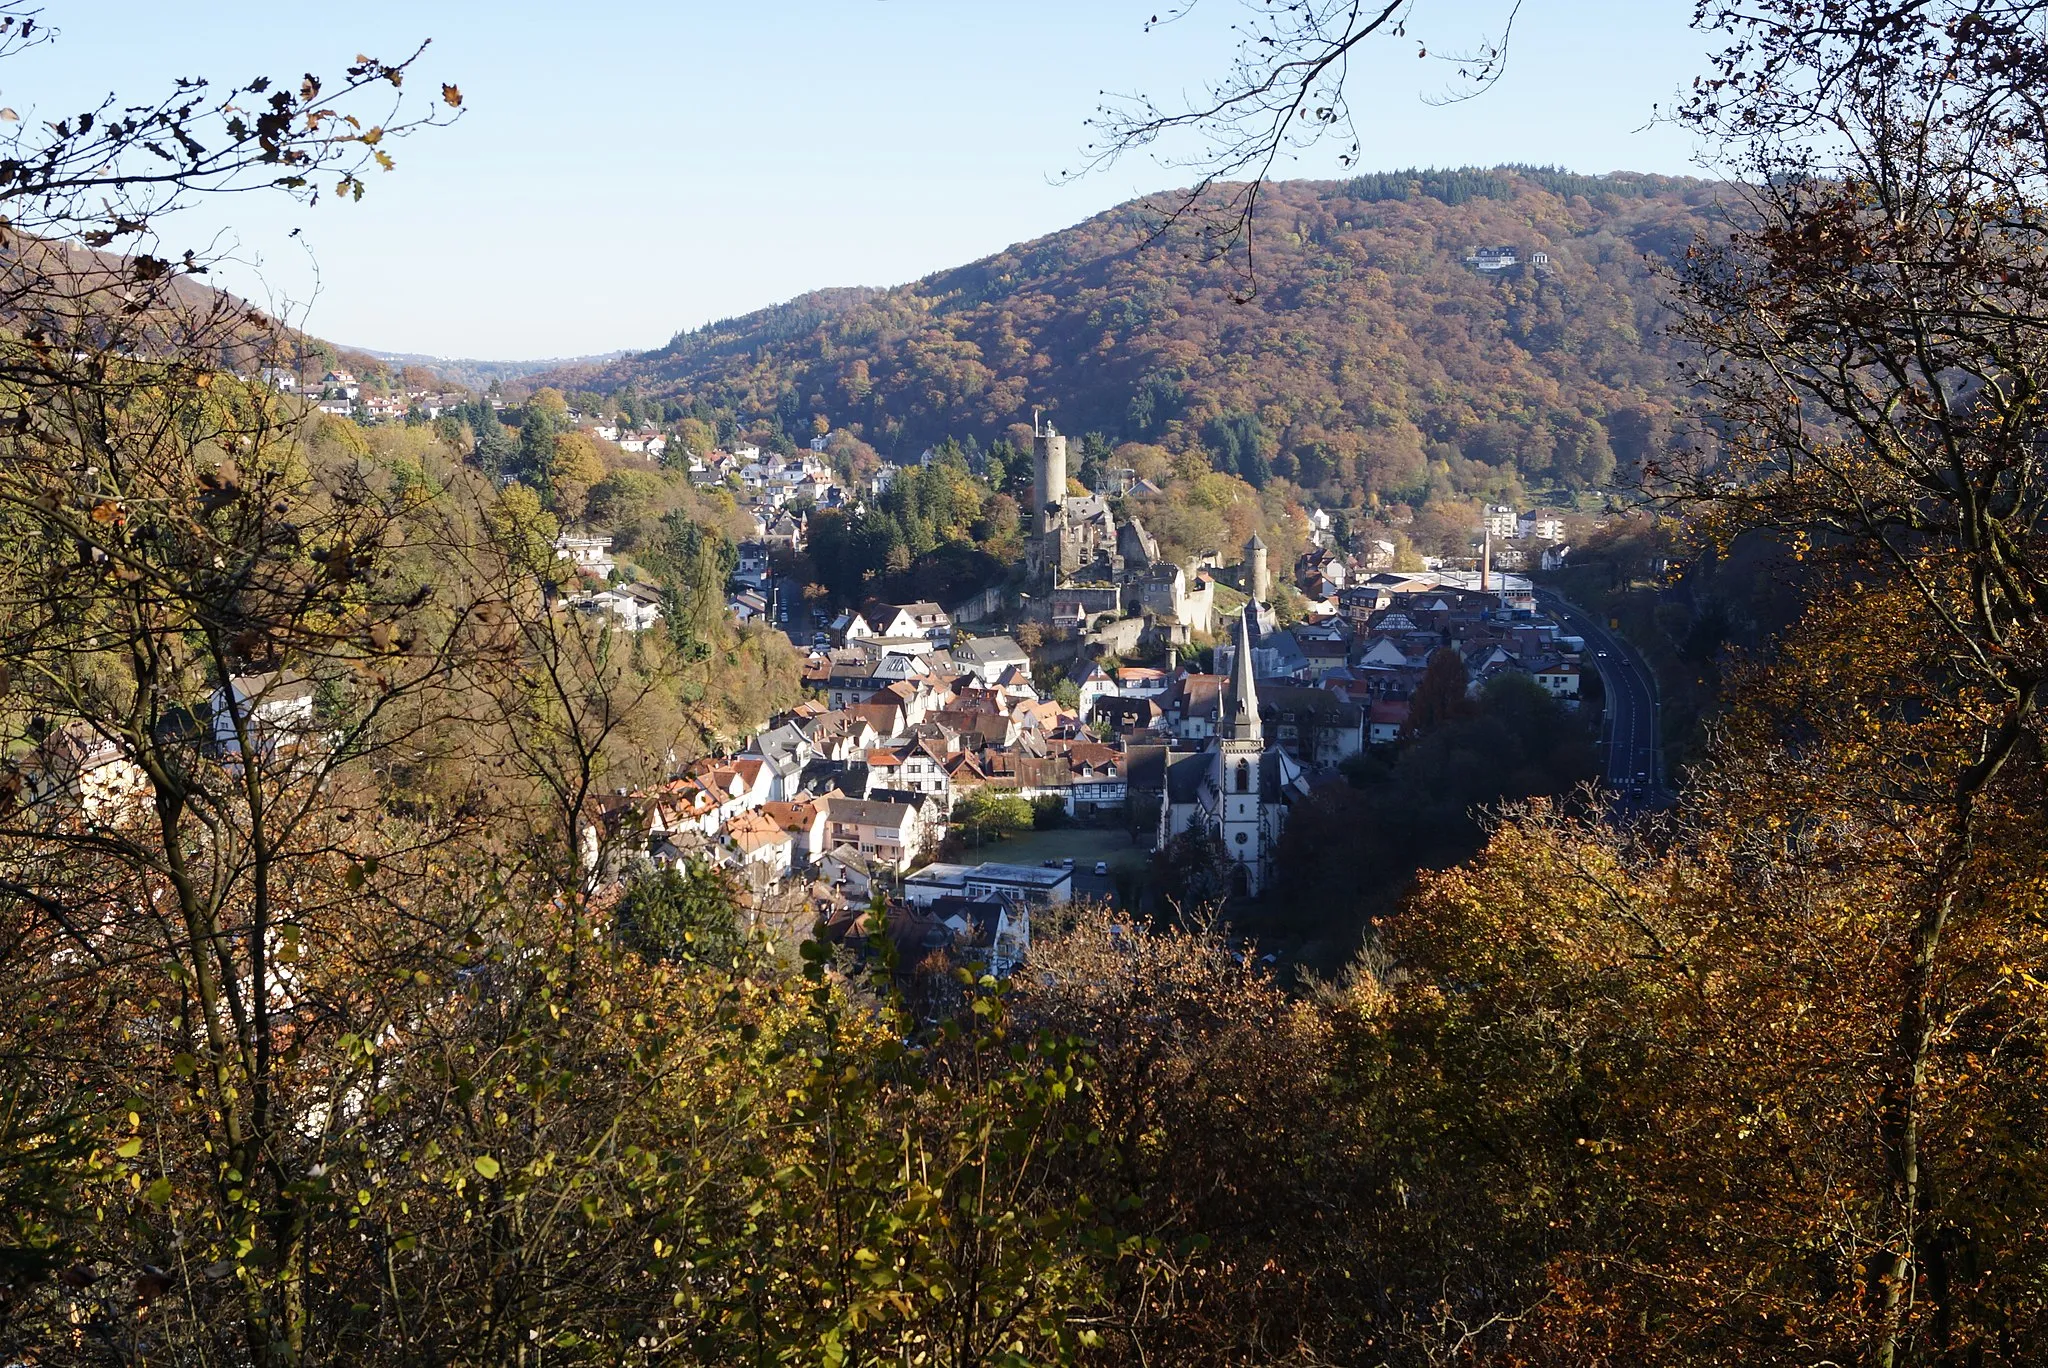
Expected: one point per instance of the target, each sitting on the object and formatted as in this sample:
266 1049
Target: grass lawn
1085 844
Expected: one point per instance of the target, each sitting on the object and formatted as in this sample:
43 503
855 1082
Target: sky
625 170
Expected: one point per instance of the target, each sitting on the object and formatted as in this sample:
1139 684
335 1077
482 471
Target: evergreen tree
682 914
694 562
537 445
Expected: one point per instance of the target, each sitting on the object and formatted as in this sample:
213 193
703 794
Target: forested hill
1369 355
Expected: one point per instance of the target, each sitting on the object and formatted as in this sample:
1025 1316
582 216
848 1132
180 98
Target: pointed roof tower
1243 704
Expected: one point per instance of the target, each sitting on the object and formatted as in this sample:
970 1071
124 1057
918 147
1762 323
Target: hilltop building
1072 538
1089 567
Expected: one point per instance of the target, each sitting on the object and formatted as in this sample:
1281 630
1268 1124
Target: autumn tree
1442 696
573 469
1874 337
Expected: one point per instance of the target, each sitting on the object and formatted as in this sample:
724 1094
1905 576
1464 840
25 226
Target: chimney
1486 559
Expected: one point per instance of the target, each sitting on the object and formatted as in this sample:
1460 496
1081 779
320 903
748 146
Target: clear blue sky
629 169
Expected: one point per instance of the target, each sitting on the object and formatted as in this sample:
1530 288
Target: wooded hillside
1370 361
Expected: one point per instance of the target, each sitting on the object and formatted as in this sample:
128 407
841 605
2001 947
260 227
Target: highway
1632 730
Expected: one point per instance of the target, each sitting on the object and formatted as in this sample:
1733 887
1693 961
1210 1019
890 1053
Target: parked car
1102 866
1067 863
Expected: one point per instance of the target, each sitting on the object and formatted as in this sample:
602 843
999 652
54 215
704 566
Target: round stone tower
1049 470
1257 579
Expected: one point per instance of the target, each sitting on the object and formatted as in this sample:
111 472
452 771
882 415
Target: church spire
1244 691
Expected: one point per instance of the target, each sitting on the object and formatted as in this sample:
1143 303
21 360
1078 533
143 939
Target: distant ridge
1373 360
474 373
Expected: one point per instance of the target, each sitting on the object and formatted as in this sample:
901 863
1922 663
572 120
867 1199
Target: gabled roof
1300 698
792 816
866 812
989 650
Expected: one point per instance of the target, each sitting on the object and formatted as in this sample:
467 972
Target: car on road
1102 866
1067 863
1050 864
1600 655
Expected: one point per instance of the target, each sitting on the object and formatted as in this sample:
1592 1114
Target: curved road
1633 729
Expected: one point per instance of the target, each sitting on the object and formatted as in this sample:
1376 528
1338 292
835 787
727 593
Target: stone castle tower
1049 472
1258 579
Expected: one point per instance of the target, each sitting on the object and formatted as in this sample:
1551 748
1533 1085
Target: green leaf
487 1166
130 1148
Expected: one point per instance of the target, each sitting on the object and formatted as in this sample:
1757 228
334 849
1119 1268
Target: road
1633 730
785 594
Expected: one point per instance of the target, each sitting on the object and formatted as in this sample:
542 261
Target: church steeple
1243 721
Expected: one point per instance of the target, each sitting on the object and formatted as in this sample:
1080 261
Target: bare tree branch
1285 91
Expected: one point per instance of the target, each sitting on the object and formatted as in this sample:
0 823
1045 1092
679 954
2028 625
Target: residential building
1389 717
1319 728
886 833
633 607
272 711
1500 521
75 768
1560 679
989 658
592 554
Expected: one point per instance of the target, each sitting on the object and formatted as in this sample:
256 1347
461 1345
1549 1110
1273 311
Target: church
1238 787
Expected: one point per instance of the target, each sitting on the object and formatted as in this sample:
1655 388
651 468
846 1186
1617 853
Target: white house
989 658
759 846
921 772
915 619
634 607
1095 683
271 710
1559 680
77 765
593 554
